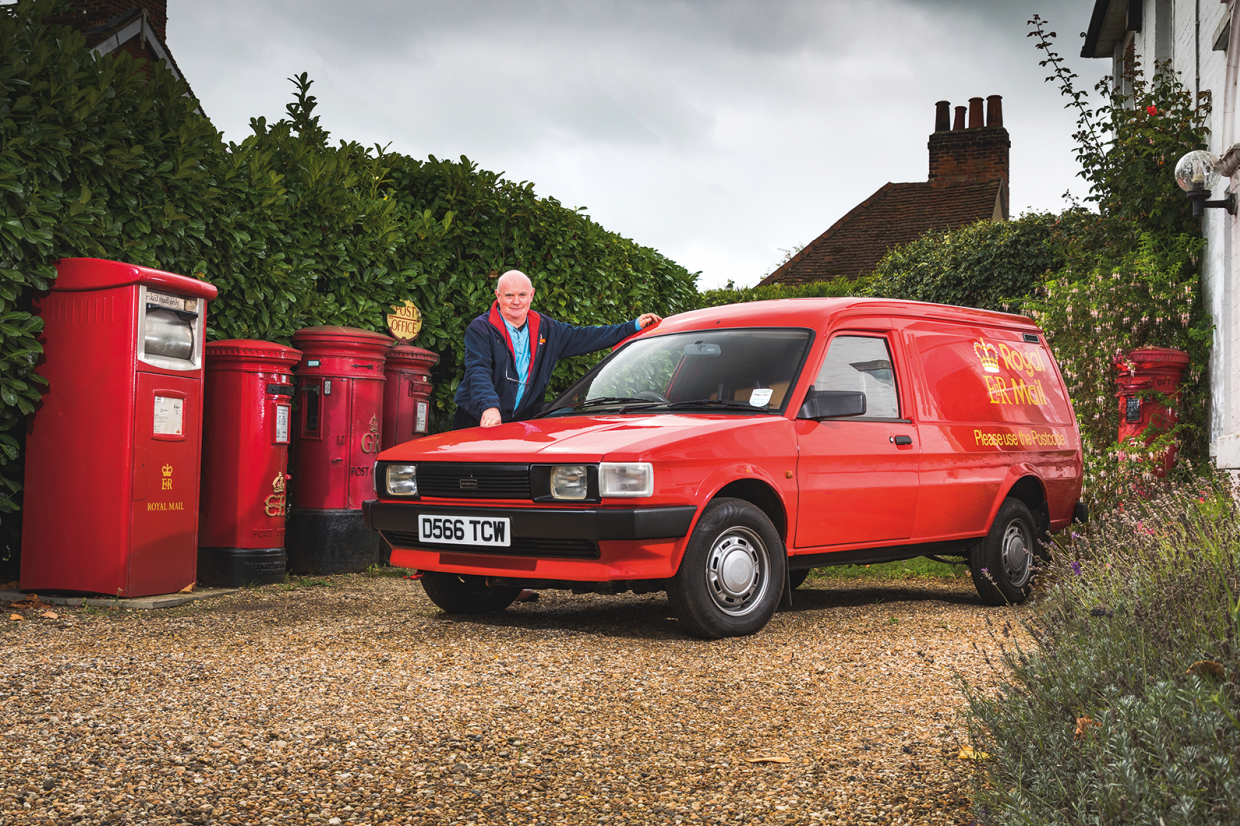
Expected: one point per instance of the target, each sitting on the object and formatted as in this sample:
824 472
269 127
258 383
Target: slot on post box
168 336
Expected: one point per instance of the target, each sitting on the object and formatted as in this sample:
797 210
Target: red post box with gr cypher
247 428
111 502
339 391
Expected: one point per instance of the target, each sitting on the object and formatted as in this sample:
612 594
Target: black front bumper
586 524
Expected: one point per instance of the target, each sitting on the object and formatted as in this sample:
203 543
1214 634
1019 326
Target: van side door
858 475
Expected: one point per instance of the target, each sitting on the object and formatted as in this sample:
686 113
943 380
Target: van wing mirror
829 404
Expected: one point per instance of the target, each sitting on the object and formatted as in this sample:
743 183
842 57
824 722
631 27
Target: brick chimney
974 153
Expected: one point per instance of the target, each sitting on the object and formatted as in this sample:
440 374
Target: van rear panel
991 399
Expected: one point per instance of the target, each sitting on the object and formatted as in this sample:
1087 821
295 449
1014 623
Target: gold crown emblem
278 483
167 470
374 424
988 355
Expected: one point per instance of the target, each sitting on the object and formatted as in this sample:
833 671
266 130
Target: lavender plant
1127 708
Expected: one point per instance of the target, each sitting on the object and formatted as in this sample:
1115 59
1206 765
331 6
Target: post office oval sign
406 322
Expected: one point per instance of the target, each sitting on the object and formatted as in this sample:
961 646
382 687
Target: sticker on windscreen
760 397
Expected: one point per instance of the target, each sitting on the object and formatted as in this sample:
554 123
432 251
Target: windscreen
739 371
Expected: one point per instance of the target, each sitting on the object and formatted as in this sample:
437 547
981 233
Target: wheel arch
1026 486
762 496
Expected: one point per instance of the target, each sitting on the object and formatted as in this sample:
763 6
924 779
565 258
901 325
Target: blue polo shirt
521 352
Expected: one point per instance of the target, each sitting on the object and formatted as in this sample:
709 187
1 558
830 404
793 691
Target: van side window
862 363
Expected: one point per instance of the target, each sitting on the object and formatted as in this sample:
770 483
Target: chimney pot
975 113
959 124
994 110
942 116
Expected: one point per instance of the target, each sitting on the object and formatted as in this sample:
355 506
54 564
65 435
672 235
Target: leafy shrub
835 288
1127 710
986 264
1132 270
1128 146
1150 297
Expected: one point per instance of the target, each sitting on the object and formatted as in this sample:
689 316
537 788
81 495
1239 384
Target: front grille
521 546
481 481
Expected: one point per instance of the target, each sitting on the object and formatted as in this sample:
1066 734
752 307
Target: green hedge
983 265
101 158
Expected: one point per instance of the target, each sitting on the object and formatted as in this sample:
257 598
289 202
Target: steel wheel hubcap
1016 555
736 571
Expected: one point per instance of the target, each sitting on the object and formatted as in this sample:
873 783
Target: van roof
811 312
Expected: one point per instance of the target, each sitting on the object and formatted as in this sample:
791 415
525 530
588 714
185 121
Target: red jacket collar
532 320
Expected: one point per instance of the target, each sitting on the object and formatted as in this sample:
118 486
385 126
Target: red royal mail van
724 453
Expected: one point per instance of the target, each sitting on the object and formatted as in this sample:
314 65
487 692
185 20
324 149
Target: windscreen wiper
728 403
601 402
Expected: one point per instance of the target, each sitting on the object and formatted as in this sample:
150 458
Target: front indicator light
401 480
626 479
569 482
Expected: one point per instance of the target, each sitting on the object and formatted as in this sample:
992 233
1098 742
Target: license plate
488 531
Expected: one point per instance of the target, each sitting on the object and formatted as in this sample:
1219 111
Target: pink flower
1151 110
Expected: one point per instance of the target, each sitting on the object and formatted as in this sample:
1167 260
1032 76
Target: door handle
900 440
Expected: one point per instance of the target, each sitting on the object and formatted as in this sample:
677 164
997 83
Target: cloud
716 131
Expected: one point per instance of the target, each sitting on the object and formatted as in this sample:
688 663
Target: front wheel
461 594
732 575
1003 562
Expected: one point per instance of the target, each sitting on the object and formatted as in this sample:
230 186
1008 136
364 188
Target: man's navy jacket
491 365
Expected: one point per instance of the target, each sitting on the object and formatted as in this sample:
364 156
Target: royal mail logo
166 470
278 483
374 424
987 354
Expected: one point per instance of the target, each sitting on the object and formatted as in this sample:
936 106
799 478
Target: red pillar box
339 392
1145 371
247 428
112 452
406 396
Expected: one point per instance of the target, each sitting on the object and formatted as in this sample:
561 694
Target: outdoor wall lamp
1197 174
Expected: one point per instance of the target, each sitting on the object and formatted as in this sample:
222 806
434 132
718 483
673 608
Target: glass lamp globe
1197 172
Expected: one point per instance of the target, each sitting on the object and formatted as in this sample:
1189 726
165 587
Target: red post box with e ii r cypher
112 451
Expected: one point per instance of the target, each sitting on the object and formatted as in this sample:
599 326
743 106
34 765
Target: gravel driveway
356 701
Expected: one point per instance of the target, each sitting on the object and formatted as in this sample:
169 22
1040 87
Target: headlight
569 482
626 479
402 480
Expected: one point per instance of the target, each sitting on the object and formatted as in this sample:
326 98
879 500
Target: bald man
511 350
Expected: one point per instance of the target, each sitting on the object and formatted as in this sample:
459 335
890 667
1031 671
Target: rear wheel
731 578
461 594
1003 562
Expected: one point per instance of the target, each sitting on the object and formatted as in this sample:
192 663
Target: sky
722 133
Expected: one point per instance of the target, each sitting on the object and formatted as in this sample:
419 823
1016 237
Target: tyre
461 594
797 578
1003 562
732 576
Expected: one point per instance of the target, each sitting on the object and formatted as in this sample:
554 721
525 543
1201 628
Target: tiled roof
896 214
131 31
